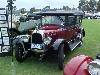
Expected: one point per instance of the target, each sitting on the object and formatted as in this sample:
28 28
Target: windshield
30 24
52 20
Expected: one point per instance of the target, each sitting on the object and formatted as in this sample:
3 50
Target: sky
41 3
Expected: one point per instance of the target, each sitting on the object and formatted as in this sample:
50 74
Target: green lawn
33 67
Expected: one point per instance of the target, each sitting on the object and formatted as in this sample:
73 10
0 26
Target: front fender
77 65
57 43
16 41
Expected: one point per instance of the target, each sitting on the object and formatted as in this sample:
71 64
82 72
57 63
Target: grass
32 66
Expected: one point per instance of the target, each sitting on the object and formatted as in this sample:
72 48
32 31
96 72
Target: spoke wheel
20 53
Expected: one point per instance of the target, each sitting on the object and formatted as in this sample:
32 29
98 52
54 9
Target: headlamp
47 40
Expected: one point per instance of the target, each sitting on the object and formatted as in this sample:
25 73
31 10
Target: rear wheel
20 53
61 57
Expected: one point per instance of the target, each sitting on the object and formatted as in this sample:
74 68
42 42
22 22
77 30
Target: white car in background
96 15
88 15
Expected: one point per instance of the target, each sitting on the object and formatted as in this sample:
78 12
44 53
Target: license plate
36 46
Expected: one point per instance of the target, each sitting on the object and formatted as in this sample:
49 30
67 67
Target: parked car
89 15
57 33
83 65
96 15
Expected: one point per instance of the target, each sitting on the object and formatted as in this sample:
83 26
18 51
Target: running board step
74 45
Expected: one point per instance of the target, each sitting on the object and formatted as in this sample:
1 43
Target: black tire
61 57
83 33
20 54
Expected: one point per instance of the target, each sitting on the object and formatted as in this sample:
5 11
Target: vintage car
83 65
56 33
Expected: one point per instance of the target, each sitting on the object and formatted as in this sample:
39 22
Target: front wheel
20 53
61 57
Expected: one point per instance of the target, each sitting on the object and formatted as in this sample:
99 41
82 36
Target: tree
64 7
68 8
32 10
98 6
92 4
87 6
81 4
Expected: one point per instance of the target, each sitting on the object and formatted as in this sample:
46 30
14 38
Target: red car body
78 66
65 32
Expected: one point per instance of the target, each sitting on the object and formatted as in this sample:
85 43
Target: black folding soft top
61 13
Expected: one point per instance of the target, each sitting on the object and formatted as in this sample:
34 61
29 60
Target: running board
74 45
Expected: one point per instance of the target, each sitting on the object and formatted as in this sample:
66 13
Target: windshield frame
58 17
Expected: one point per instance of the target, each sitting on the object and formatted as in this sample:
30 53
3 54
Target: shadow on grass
49 64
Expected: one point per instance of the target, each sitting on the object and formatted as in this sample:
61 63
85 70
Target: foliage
92 4
86 5
66 8
81 4
98 6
